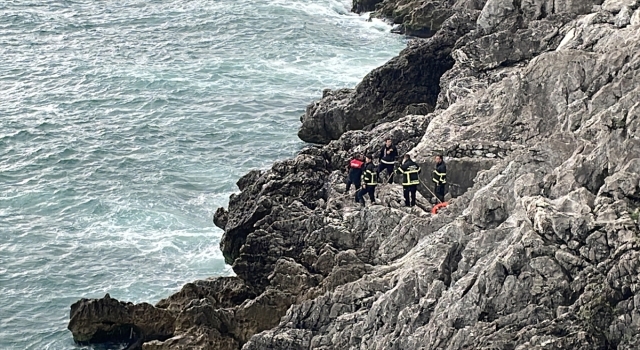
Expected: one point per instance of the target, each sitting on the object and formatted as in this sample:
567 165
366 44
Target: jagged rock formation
408 84
360 6
539 117
541 252
108 319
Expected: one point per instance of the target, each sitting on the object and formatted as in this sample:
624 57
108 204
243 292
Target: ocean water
125 124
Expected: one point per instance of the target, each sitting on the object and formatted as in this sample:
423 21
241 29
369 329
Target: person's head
406 158
388 142
359 156
368 158
439 159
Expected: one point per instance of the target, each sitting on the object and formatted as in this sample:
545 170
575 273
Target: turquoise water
125 124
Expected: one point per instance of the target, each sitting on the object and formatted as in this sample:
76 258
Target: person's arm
381 153
366 178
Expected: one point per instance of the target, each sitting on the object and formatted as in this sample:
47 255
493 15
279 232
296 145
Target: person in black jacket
410 180
369 182
440 178
355 167
387 158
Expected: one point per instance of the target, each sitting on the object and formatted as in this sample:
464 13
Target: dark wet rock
388 93
360 6
107 319
330 117
423 18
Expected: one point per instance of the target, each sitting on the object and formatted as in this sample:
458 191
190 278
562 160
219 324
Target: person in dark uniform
387 158
440 178
410 179
369 182
354 168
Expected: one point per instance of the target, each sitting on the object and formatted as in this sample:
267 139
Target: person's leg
372 193
349 186
359 195
440 192
357 183
413 189
379 169
390 173
405 191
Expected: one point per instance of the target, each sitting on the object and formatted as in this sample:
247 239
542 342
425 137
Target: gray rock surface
635 18
539 119
541 252
615 6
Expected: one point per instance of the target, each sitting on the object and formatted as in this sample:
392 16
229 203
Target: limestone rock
614 6
221 292
541 251
495 12
107 319
623 18
635 19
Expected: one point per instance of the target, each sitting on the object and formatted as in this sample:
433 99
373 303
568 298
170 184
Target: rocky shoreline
536 104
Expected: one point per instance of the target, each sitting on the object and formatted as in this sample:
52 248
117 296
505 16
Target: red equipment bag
356 164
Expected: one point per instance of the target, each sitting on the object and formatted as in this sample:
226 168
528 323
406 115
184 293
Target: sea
124 125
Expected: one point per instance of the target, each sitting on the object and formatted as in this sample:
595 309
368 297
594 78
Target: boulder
107 319
623 18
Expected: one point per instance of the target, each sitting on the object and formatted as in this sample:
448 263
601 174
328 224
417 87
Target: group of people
364 175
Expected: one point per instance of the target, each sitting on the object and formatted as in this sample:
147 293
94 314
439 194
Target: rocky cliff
536 105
